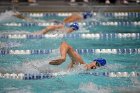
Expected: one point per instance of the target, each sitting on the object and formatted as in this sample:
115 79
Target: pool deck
69 7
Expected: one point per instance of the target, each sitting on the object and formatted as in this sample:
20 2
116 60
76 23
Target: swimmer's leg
63 51
75 57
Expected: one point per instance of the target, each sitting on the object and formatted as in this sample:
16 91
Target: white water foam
34 66
114 67
7 16
82 29
132 88
39 66
93 88
9 44
15 32
27 89
42 66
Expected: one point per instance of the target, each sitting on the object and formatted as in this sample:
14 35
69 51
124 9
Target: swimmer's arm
72 18
69 30
20 16
48 29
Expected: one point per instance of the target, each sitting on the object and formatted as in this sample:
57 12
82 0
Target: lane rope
72 36
22 76
80 51
106 14
93 23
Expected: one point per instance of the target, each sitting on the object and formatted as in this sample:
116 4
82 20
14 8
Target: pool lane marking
39 76
80 51
73 36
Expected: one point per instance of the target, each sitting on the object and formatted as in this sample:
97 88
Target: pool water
74 82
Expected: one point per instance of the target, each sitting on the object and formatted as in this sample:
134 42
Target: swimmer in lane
60 25
20 16
75 17
78 17
67 28
75 58
67 23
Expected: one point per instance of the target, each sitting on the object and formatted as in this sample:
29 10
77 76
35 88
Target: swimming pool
111 35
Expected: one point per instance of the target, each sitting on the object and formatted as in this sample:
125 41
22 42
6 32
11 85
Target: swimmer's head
87 15
74 26
98 63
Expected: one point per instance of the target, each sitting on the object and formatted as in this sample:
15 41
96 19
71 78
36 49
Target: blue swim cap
87 15
74 26
100 61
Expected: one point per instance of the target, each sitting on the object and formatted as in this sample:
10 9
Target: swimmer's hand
57 61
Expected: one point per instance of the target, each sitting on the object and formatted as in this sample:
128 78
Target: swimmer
78 17
66 23
75 17
75 58
66 28
20 16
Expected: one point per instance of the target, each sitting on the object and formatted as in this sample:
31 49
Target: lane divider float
72 36
80 51
23 76
106 14
93 23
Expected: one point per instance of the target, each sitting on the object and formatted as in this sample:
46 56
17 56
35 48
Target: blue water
73 83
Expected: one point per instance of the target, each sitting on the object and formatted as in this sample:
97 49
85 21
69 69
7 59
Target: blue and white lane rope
108 23
72 36
80 51
106 14
22 76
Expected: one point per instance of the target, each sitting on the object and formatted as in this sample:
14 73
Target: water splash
113 67
7 16
82 29
37 66
9 44
18 90
132 88
135 82
97 18
15 32
93 88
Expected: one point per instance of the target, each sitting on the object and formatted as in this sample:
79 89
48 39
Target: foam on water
18 90
82 29
98 17
39 66
113 67
93 88
89 87
9 44
7 16
42 66
132 88
135 82
15 32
